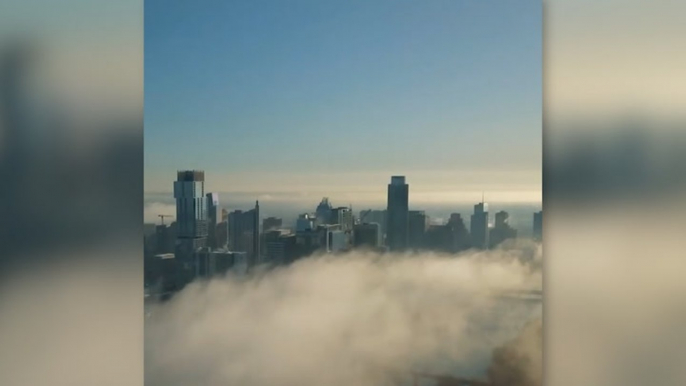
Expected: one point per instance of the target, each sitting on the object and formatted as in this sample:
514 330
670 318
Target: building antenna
482 196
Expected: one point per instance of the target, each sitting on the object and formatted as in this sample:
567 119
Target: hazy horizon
295 101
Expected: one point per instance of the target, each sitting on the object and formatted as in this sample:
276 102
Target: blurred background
71 205
71 166
614 148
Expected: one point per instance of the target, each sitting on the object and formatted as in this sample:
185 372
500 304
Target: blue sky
339 95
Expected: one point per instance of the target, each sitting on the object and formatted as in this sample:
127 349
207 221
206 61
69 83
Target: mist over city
384 297
343 194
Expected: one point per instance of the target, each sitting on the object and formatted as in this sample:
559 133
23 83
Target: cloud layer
359 319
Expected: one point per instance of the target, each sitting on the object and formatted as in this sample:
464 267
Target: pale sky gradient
308 98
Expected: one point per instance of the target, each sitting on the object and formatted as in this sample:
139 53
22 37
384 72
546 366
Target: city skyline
208 240
164 204
434 215
293 101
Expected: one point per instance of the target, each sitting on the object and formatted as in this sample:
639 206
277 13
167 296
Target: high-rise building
271 223
244 232
538 225
461 238
191 220
397 214
367 235
222 230
375 216
336 240
304 223
344 217
440 238
310 238
502 229
165 237
219 262
418 223
502 219
451 237
213 217
256 233
280 247
191 206
479 226
323 212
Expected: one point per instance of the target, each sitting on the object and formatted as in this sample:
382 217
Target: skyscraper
375 216
342 216
418 223
502 219
191 220
397 214
502 229
461 237
367 235
270 223
191 206
323 212
479 226
244 232
256 233
212 219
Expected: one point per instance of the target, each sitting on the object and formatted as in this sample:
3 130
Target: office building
440 238
191 205
418 223
397 214
538 225
311 239
461 237
451 237
479 226
337 240
166 272
323 212
367 235
370 216
165 238
213 217
280 247
220 262
191 221
502 229
305 222
244 232
342 216
222 234
271 223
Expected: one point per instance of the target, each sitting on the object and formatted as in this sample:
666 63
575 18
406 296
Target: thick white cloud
354 319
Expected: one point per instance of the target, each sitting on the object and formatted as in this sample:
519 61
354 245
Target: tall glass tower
397 227
213 217
479 226
191 204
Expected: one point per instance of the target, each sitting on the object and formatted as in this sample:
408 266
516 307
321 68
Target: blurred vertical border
614 192
71 166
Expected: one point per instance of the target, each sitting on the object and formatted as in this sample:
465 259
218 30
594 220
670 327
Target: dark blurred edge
54 195
71 203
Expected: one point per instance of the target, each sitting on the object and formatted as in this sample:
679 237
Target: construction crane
162 216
